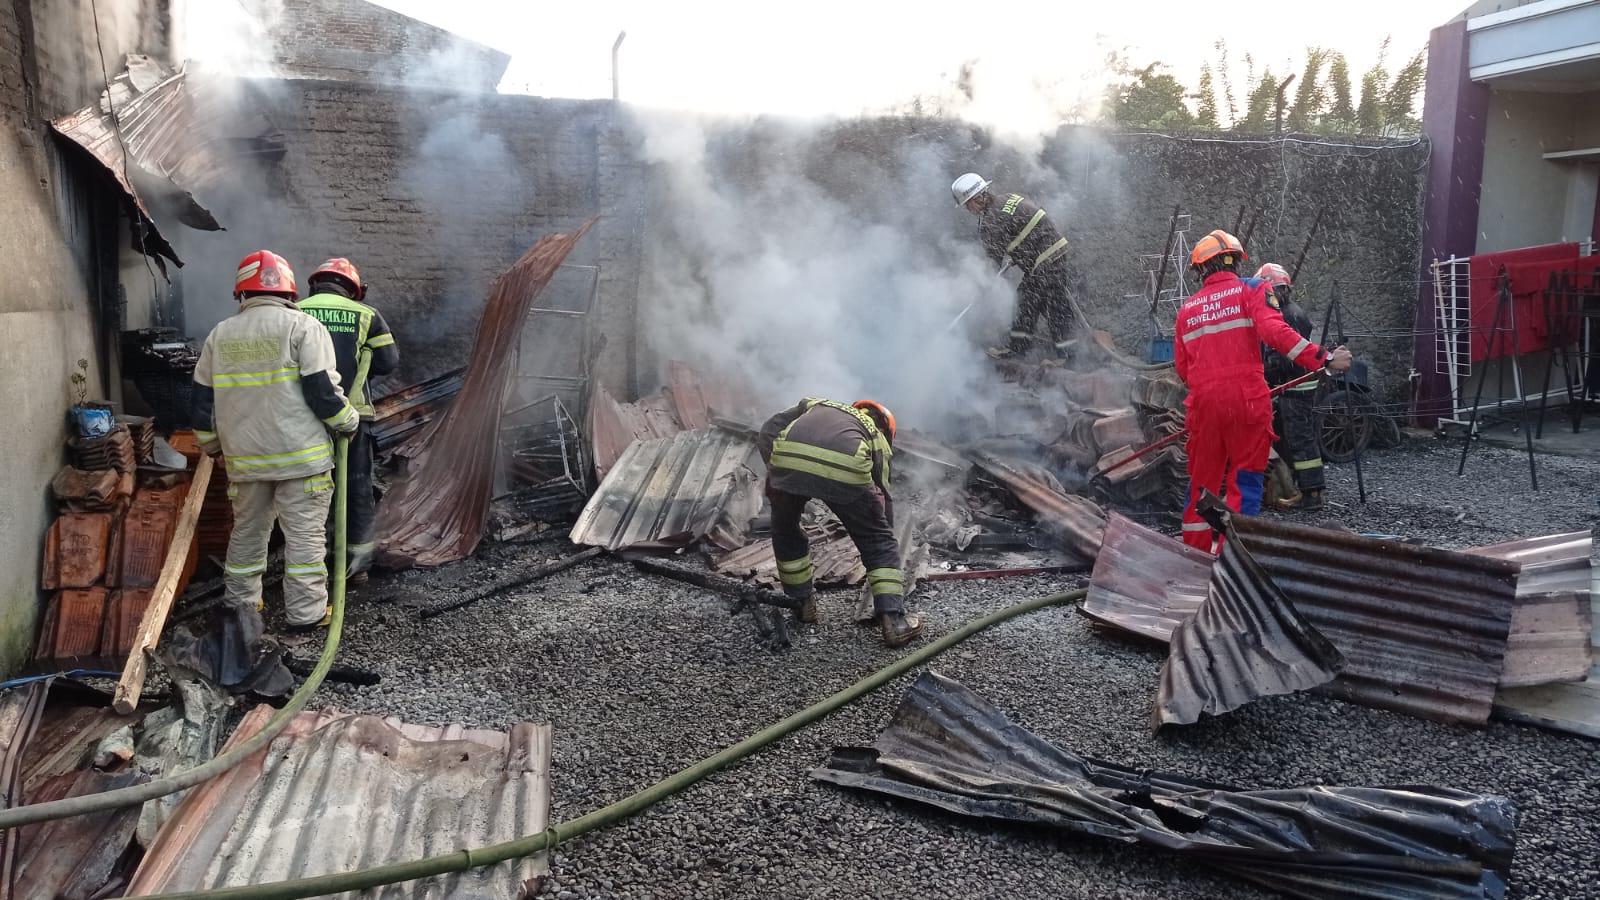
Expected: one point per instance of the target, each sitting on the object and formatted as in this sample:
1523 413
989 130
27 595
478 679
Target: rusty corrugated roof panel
1246 641
1423 631
1080 523
77 856
155 122
614 426
834 558
687 401
1144 581
672 491
437 514
20 710
337 791
1569 708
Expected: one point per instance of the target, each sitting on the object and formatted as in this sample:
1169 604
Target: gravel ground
642 677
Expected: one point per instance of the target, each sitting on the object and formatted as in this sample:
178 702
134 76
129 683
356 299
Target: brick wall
351 40
431 195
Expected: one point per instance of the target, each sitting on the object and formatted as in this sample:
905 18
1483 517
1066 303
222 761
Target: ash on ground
641 677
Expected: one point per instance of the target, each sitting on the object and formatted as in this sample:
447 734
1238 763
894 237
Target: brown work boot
807 610
1308 501
1288 503
898 628
806 596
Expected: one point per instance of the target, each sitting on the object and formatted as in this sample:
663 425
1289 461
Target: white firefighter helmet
968 186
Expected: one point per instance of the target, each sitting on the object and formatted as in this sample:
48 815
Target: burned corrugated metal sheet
1080 523
1552 624
672 491
404 413
687 401
20 710
1246 641
66 737
72 858
614 426
834 559
438 512
1423 631
948 748
143 133
337 791
1144 581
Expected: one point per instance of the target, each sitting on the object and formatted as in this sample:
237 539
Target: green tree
1206 100
1225 75
1149 99
1259 108
1343 111
1311 95
1401 97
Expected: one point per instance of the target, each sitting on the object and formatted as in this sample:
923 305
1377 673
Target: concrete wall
1527 200
52 237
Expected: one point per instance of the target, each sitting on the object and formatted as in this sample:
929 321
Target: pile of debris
105 549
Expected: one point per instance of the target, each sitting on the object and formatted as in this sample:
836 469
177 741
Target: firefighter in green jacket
365 346
840 455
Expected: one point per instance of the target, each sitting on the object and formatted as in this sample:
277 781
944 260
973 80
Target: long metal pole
616 80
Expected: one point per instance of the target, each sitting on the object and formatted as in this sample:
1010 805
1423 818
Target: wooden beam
155 615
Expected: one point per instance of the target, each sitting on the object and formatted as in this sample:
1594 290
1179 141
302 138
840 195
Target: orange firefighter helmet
339 267
1274 274
264 272
882 412
1217 243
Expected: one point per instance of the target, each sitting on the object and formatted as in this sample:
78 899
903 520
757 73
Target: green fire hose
140 793
528 845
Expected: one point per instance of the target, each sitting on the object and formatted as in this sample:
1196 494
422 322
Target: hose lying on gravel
528 845
140 793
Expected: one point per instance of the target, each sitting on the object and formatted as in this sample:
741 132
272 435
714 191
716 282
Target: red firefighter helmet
339 267
1274 274
882 412
264 272
1216 243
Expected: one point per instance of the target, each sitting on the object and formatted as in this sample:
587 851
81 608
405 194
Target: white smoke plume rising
805 259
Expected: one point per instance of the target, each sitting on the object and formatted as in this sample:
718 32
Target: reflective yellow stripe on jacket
847 468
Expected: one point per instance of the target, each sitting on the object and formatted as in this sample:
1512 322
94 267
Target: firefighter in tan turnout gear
838 454
266 395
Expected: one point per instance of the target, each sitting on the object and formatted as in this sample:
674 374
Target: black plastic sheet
950 749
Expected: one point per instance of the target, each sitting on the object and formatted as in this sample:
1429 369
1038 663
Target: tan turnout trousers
300 507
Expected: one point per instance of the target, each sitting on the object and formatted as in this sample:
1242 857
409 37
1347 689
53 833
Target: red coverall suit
1218 354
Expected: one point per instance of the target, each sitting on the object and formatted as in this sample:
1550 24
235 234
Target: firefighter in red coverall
1217 351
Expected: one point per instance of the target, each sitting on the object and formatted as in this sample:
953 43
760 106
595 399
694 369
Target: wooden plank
166 589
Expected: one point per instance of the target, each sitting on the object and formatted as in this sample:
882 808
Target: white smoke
228 38
822 271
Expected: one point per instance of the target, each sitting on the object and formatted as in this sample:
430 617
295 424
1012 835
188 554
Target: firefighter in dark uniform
840 455
1301 444
364 346
1014 231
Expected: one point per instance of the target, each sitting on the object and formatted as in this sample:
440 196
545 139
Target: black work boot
806 596
898 628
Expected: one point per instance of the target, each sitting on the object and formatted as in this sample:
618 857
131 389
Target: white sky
830 57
